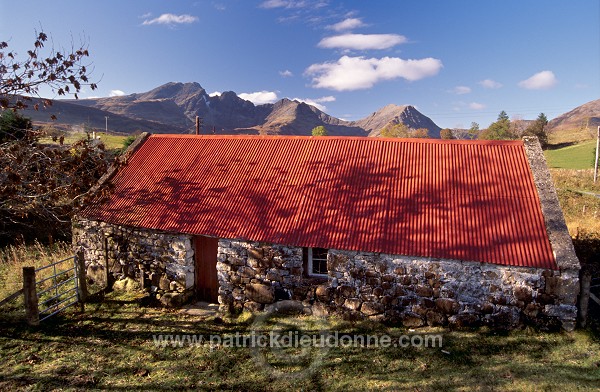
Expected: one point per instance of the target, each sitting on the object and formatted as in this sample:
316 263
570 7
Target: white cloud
347 24
539 81
283 4
214 94
489 83
362 41
316 102
286 74
476 106
355 73
460 90
259 97
116 93
171 19
329 98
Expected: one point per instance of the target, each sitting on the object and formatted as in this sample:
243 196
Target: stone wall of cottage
409 290
161 263
420 291
253 274
399 289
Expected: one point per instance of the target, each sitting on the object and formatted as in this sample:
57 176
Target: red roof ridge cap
374 139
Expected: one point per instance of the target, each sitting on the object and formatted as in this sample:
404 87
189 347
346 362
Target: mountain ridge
583 116
172 108
175 105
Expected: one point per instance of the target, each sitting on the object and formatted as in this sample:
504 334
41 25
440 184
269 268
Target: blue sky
458 61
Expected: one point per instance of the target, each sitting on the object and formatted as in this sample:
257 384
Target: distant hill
173 107
288 117
70 114
394 114
586 115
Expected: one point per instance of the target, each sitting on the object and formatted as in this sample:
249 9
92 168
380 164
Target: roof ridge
371 139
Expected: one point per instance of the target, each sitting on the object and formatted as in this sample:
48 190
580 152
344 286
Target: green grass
14 258
111 142
576 135
580 208
110 347
12 261
578 156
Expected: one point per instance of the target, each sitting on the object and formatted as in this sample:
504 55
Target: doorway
207 284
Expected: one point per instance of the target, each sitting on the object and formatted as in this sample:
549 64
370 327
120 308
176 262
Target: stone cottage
415 231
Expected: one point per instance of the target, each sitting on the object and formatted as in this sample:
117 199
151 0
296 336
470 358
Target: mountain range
173 107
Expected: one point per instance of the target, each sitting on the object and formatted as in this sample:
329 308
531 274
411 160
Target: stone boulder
260 293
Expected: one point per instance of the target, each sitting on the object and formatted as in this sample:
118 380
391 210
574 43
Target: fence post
30 296
584 296
82 292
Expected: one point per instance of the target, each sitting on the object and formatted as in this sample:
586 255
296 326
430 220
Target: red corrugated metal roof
465 200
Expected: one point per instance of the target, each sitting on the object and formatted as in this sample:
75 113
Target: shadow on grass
558 146
110 347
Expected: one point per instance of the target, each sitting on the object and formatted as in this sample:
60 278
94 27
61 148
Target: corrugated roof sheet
465 200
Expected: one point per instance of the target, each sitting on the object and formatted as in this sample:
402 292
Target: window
317 261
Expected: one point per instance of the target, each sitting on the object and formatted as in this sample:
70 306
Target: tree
538 129
40 185
64 72
13 126
446 134
518 126
395 130
319 131
421 133
498 130
474 131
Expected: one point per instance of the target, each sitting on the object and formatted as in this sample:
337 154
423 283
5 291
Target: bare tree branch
65 72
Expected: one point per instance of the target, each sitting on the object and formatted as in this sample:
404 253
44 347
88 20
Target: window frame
310 264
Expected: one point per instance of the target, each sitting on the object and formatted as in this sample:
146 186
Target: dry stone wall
409 290
252 274
399 289
161 263
420 291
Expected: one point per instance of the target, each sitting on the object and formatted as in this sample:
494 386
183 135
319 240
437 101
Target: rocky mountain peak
175 105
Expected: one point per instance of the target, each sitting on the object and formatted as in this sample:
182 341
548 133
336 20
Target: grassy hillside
576 191
111 142
577 156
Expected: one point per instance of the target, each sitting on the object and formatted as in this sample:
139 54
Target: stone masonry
412 291
252 274
409 290
162 263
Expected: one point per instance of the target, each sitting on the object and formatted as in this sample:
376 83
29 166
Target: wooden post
30 296
597 152
82 292
584 296
197 125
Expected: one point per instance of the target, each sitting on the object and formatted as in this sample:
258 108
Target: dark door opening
207 284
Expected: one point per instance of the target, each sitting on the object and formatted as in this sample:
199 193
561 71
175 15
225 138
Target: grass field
14 258
111 347
111 142
577 156
580 208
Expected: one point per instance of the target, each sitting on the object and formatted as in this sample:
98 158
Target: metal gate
63 290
